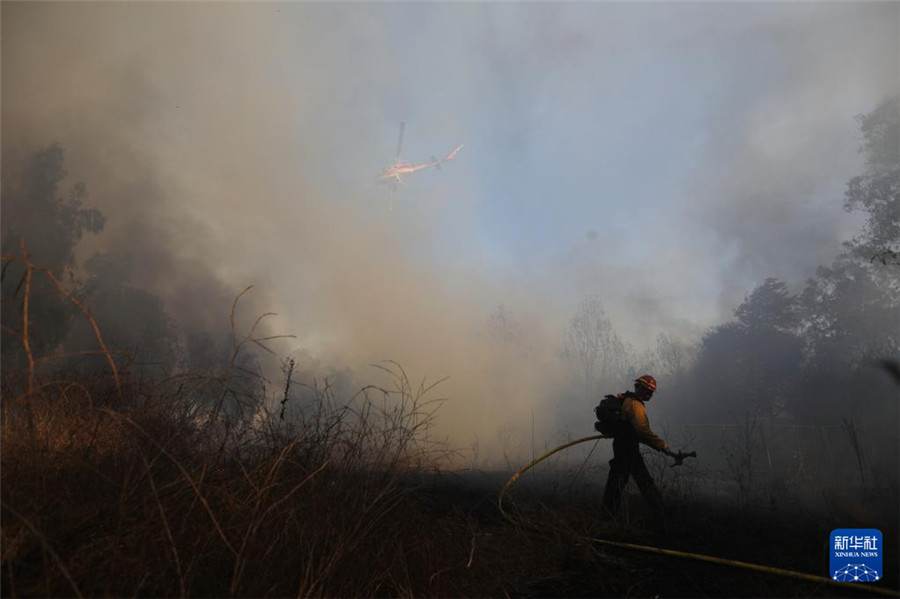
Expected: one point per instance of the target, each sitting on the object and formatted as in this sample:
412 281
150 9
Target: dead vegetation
209 484
191 486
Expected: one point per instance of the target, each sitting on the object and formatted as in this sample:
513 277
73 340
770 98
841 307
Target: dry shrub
193 486
156 497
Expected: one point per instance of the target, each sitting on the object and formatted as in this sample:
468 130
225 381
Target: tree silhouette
808 356
593 345
755 362
877 190
33 211
503 327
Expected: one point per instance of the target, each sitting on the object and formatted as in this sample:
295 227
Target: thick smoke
235 144
223 156
770 181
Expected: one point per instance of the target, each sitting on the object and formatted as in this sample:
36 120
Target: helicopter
391 174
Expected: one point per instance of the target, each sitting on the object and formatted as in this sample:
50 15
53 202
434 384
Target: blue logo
856 555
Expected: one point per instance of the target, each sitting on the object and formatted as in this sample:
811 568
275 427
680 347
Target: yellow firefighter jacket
633 411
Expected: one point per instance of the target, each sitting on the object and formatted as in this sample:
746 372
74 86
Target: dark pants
627 462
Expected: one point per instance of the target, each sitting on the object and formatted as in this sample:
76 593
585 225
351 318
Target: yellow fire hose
521 471
856 587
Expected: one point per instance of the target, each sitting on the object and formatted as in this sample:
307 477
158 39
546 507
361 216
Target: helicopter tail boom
452 154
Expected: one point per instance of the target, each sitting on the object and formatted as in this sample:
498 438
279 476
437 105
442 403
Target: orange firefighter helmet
647 382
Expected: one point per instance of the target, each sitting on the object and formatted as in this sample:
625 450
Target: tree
503 327
131 319
850 308
769 306
592 344
877 190
754 362
50 227
33 210
813 356
673 357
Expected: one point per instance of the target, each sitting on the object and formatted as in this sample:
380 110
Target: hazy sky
665 156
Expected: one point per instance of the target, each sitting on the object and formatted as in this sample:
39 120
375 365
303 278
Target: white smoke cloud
235 144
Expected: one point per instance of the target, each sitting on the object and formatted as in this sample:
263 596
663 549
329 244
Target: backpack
609 415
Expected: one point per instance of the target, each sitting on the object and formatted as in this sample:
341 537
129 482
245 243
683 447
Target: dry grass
192 486
148 494
209 485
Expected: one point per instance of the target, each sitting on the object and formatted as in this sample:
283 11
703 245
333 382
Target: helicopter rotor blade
400 140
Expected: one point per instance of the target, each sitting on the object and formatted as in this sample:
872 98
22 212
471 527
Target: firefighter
627 460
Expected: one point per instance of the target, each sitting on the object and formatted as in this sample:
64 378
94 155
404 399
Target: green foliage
850 308
877 190
806 357
747 370
33 210
769 306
